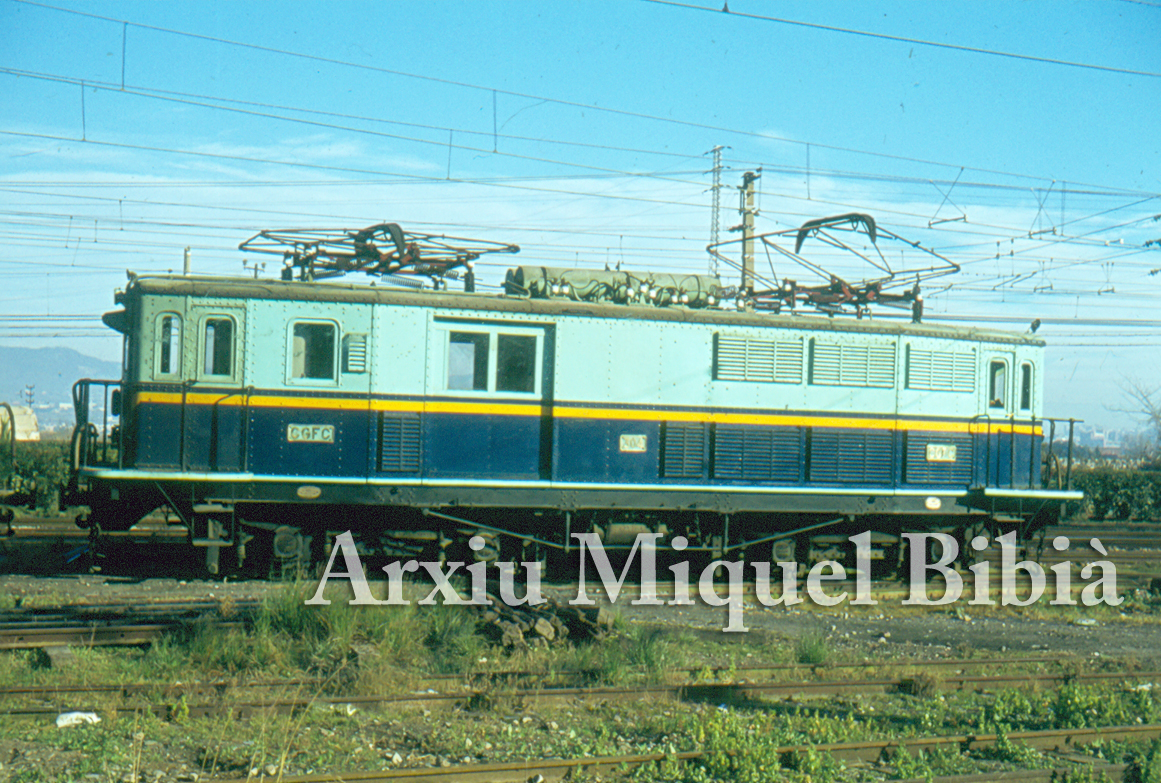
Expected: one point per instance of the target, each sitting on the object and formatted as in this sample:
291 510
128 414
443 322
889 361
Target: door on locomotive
213 413
999 418
488 401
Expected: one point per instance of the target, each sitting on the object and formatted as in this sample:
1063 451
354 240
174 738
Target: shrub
1117 494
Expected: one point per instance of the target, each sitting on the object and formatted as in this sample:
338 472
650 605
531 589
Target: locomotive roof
250 288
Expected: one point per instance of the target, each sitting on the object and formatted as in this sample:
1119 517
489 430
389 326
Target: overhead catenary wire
490 90
907 40
546 252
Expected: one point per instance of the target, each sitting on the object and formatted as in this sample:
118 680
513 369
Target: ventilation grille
941 370
839 364
683 453
399 442
919 470
758 453
751 359
851 456
355 353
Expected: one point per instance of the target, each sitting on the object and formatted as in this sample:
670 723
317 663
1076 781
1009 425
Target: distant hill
52 371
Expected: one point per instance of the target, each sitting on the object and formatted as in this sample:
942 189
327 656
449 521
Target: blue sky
129 131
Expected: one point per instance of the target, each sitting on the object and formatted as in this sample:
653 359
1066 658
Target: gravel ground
888 630
1134 629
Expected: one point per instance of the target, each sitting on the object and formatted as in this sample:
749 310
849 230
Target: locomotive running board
1029 494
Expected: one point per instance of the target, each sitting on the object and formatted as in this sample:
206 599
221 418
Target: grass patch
814 648
344 649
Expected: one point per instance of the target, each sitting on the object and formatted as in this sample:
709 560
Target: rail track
485 691
56 545
100 624
1064 742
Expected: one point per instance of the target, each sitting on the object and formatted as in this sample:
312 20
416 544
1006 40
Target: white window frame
494 331
177 360
336 353
235 353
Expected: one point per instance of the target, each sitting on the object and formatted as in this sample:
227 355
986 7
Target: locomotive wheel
269 549
795 549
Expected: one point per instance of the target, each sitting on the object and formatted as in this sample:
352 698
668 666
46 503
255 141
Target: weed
1150 769
1011 707
648 647
813 648
1015 753
931 763
922 685
452 639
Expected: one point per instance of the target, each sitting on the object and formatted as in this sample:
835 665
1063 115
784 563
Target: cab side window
998 385
515 363
313 351
1025 387
168 345
492 360
467 361
218 342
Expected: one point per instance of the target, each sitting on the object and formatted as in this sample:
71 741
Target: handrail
993 476
84 431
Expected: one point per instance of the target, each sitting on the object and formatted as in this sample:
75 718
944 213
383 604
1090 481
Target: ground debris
517 627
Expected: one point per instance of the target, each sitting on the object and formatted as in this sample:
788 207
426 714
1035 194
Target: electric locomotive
264 414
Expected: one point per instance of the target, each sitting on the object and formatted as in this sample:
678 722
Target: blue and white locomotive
264 413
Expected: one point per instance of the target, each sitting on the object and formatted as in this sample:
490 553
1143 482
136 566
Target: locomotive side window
168 344
313 351
219 347
998 385
467 361
1025 387
515 363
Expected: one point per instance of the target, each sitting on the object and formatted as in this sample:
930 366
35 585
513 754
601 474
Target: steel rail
864 752
28 637
737 694
1052 775
543 678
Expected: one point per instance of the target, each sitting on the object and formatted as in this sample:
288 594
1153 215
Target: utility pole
748 213
717 205
29 394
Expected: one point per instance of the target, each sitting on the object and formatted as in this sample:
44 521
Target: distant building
1107 443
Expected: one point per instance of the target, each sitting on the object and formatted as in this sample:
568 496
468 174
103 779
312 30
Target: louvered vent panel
881 366
941 370
683 454
731 359
399 442
853 365
788 367
826 364
751 359
918 470
851 456
355 353
758 453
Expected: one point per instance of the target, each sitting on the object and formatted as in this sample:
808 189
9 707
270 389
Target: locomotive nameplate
940 452
310 433
634 444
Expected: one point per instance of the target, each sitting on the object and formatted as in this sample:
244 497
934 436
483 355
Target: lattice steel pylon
715 212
